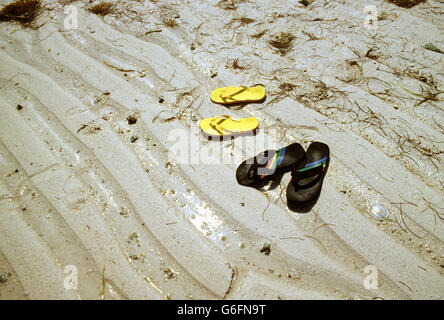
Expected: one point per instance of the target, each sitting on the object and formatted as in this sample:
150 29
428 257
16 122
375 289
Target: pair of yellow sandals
227 125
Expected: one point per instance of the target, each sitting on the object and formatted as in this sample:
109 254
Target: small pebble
132 119
266 249
379 212
4 277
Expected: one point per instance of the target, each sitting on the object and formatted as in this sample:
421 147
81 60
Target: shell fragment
379 212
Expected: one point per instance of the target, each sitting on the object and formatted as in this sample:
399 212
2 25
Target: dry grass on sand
23 11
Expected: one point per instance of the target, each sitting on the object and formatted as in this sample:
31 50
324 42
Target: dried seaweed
430 46
373 53
405 285
259 34
102 292
370 118
242 21
170 22
311 36
282 42
319 241
309 91
234 64
24 12
425 147
434 210
401 213
169 14
268 204
426 95
321 226
234 273
406 3
306 3
102 9
229 4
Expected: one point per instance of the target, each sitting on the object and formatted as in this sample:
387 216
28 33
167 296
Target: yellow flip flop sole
227 125
230 95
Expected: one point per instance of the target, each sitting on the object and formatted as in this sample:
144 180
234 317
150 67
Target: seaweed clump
227 5
236 65
282 42
169 15
259 34
306 3
406 3
170 22
102 9
23 11
242 21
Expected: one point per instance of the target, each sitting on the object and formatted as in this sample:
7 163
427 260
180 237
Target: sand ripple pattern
86 178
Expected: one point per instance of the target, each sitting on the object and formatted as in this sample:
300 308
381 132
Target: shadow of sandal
228 137
302 207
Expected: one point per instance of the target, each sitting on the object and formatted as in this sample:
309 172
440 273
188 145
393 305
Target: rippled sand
87 184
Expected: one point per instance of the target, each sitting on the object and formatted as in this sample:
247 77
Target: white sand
85 195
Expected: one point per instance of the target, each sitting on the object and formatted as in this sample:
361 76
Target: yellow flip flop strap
216 124
230 96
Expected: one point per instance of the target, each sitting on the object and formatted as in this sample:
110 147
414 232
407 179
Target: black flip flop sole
304 190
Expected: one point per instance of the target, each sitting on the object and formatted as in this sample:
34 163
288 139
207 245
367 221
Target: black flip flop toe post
257 171
306 182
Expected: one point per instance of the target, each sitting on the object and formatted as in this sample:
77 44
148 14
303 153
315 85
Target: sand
95 205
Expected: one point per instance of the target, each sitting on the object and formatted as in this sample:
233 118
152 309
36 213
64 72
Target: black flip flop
261 168
306 182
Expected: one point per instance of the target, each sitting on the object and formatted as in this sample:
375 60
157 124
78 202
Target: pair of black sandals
308 169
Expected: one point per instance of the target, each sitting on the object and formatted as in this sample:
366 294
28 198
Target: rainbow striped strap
314 164
275 161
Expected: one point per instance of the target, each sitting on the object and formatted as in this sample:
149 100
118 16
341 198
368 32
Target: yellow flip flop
227 125
230 95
